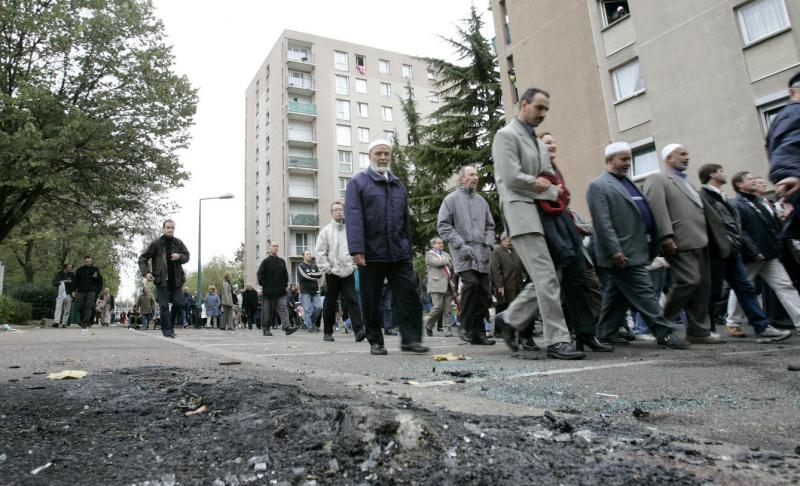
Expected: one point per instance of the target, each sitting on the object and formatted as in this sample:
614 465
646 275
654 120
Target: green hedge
41 297
13 311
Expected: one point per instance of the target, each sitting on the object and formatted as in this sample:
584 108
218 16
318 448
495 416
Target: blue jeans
732 270
145 320
312 307
166 296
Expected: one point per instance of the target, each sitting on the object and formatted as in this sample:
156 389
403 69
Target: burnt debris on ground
134 427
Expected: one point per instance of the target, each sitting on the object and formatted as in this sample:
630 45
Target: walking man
250 306
437 263
466 225
336 263
146 304
520 158
379 238
506 269
226 300
88 284
274 279
680 223
63 282
625 243
308 276
783 144
162 263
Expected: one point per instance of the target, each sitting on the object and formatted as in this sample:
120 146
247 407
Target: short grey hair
435 240
463 169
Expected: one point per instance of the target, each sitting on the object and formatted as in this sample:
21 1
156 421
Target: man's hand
541 185
149 277
468 252
501 291
669 247
788 186
174 256
619 260
759 258
359 260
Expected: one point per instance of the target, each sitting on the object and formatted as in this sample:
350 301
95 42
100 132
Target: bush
13 311
41 297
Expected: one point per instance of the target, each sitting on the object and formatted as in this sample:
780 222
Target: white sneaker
772 335
85 330
647 337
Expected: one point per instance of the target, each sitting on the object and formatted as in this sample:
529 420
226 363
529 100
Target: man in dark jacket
63 295
250 306
783 144
162 263
762 246
731 268
379 238
88 283
273 279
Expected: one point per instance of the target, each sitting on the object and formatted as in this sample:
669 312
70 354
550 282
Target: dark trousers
84 302
732 270
692 273
630 287
344 288
251 317
406 307
166 296
577 297
475 300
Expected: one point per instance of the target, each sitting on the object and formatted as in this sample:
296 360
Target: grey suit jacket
618 225
675 210
438 282
517 164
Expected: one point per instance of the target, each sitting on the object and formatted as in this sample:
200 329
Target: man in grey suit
625 243
519 159
681 227
437 263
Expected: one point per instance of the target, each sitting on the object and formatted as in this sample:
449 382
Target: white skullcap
669 149
616 148
377 142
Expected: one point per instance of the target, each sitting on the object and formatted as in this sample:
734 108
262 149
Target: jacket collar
616 184
681 180
373 174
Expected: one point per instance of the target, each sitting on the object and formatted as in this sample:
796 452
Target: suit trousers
227 318
475 300
344 288
406 307
774 274
691 270
542 295
271 306
630 287
85 301
732 270
577 297
441 307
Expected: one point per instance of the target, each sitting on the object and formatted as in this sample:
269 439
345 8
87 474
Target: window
363 160
406 71
762 18
342 110
363 135
257 200
386 89
627 81
361 85
769 111
387 113
645 161
614 10
345 159
433 96
408 92
267 168
343 187
303 242
343 135
266 193
361 63
363 110
340 60
430 74
388 136
383 66
267 220
342 85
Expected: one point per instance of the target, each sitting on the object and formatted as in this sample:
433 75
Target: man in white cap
379 239
625 243
680 223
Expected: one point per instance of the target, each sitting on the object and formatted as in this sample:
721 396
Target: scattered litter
586 435
458 373
39 372
608 395
41 468
13 380
8 327
428 384
36 387
451 452
199 410
260 466
231 362
333 465
14 366
449 357
793 367
559 424
67 375
3 457
640 414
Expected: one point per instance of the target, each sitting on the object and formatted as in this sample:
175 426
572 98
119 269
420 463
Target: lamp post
199 240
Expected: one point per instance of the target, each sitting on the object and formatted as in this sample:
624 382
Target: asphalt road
739 393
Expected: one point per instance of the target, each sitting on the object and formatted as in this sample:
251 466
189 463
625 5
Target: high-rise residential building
312 109
708 74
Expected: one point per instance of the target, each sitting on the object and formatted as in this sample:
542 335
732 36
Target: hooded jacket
333 256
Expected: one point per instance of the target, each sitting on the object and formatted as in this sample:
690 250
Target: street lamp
199 239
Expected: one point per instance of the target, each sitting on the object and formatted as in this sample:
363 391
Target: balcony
303 137
302 86
302 192
302 111
302 164
305 220
300 61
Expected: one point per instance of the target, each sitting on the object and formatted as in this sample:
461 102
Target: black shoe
328 338
528 344
439 329
465 335
563 351
481 340
389 332
377 349
509 336
593 344
288 330
361 335
268 333
414 348
626 334
429 332
673 341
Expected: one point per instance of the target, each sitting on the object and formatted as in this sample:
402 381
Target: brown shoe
735 332
704 339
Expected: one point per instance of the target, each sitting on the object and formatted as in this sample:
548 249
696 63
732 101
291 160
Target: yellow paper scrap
449 357
67 375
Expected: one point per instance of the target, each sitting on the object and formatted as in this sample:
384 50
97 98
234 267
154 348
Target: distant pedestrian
226 299
146 305
88 283
308 276
186 309
437 262
63 281
162 263
274 279
250 306
105 307
212 302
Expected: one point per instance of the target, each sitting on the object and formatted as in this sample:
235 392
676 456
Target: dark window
614 10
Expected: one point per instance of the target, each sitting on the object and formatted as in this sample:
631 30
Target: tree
213 273
91 113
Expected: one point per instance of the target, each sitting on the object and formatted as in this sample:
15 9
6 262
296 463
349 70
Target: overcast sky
220 46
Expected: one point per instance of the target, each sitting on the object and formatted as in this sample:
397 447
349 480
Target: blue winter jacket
377 219
783 144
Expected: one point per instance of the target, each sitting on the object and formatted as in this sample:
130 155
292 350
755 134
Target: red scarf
559 205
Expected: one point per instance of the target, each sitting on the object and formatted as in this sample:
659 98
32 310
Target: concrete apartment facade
708 74
311 110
